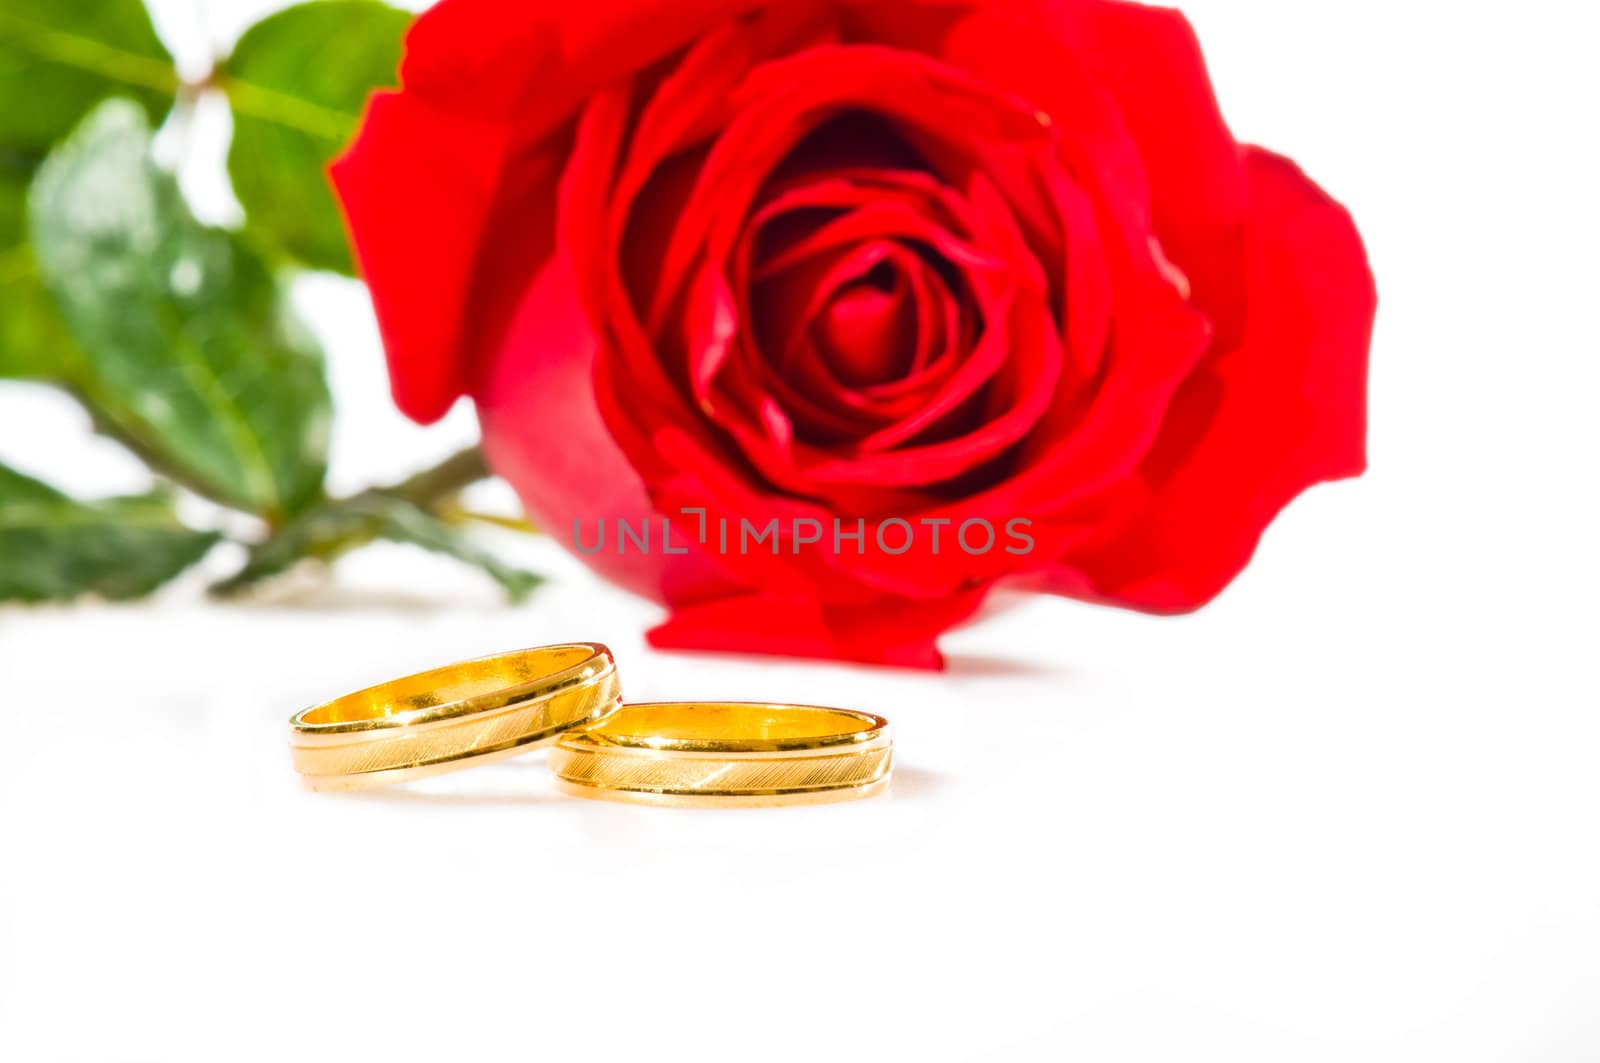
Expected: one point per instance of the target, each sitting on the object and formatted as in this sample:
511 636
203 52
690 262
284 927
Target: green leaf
55 548
33 341
336 528
58 58
15 169
192 356
297 82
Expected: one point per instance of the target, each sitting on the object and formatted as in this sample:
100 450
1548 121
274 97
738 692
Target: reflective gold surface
726 753
453 717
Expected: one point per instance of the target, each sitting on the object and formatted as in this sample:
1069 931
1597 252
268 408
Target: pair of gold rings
568 698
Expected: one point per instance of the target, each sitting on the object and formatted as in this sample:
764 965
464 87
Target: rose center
867 332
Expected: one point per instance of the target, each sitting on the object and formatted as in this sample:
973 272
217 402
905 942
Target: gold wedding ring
726 753
453 717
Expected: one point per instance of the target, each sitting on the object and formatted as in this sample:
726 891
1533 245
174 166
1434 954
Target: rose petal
1147 60
1261 423
793 94
887 632
419 264
420 181
558 452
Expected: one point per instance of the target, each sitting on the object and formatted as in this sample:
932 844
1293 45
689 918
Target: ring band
453 717
726 753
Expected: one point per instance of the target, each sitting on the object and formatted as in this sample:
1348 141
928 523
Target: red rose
994 273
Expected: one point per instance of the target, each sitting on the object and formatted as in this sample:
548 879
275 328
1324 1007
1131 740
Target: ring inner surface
449 685
730 726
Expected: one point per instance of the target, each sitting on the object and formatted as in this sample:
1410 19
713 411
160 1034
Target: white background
1351 812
